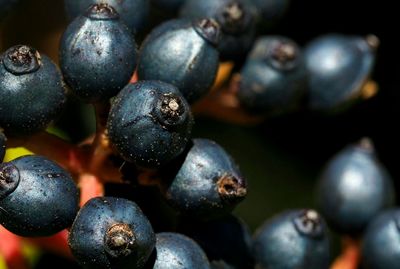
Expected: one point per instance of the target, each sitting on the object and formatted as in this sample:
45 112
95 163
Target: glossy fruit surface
29 77
97 54
111 232
351 180
381 241
226 241
274 77
3 140
37 197
293 239
339 66
134 13
176 251
236 19
149 123
208 183
182 49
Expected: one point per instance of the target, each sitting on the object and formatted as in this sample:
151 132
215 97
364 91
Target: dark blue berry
97 54
176 251
293 239
177 53
270 11
226 241
274 77
37 197
381 241
353 188
134 13
208 183
111 232
149 123
171 5
236 19
31 89
339 66
3 141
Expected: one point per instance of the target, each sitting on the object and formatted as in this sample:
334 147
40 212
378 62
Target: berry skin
274 77
134 13
97 54
351 180
339 66
26 77
208 183
226 241
111 232
37 197
160 56
293 239
171 5
149 123
3 140
381 242
176 251
236 19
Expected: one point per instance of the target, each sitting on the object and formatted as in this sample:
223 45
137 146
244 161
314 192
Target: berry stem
350 257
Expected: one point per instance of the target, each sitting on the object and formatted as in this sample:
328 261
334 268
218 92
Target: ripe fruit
175 250
37 197
134 13
97 54
182 49
111 232
3 140
339 66
236 19
27 77
208 183
149 123
274 77
353 188
293 239
381 243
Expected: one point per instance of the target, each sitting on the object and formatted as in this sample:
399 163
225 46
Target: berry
274 76
97 54
160 56
226 241
351 180
134 13
380 244
171 5
27 77
111 232
293 239
149 123
176 251
37 197
235 18
3 141
207 184
339 66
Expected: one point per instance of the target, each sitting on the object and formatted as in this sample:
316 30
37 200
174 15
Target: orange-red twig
350 257
10 249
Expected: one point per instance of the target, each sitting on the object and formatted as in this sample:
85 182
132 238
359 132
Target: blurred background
282 157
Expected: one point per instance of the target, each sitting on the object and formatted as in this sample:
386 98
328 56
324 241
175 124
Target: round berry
274 77
175 251
37 197
208 183
293 239
149 123
134 13
353 188
338 66
160 56
97 54
3 141
31 89
111 232
381 241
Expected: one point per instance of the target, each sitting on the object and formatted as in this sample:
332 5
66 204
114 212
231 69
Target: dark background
282 157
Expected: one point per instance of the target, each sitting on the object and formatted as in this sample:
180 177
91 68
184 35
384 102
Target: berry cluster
210 57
